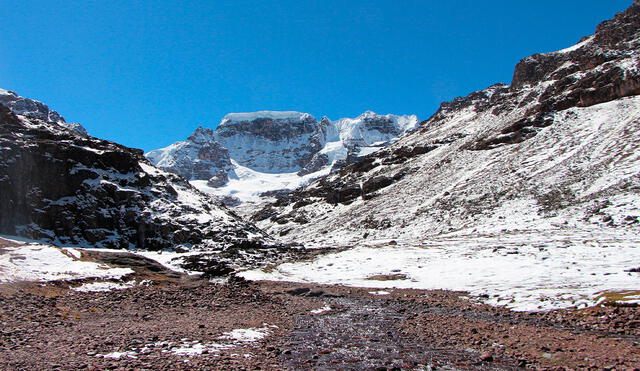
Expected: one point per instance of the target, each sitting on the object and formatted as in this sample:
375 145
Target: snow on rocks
187 347
108 286
522 271
32 108
118 355
39 262
96 193
253 153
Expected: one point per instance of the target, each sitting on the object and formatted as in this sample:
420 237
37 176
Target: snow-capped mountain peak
289 143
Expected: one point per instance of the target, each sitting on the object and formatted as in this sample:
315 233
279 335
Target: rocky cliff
558 148
66 188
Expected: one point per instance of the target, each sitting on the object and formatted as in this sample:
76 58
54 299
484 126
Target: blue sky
146 73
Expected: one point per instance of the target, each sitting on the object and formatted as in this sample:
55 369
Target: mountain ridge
503 158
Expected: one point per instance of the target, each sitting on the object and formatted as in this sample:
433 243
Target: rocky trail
362 334
177 323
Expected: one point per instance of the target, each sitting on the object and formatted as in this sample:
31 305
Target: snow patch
38 262
577 46
322 310
248 335
379 292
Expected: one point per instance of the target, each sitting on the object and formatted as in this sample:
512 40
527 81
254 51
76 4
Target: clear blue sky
146 73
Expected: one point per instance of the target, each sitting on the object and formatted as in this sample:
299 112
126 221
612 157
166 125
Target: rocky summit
556 149
32 108
280 150
60 186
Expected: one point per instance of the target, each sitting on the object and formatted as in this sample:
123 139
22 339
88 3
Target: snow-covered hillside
252 154
559 148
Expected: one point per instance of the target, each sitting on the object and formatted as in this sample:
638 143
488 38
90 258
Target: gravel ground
176 322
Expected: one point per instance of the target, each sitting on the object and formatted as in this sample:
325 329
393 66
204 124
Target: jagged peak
32 108
28 107
201 135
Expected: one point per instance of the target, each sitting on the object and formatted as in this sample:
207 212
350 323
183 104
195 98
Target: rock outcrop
32 108
199 157
65 188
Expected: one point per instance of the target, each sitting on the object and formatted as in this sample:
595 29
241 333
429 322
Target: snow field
523 272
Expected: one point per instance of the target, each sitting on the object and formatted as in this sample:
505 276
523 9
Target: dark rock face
268 128
32 108
272 145
601 68
66 188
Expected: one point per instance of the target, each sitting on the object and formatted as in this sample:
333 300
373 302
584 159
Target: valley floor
177 322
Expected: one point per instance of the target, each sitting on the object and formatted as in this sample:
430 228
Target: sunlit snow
528 271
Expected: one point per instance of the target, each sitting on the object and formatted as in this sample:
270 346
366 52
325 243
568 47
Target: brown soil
51 327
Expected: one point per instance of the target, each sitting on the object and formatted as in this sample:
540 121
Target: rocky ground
178 322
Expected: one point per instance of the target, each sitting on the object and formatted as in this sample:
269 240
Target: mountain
558 148
32 108
250 154
64 187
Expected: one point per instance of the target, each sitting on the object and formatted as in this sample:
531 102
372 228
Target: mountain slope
62 187
558 148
